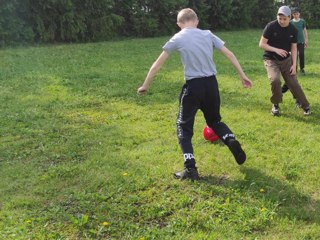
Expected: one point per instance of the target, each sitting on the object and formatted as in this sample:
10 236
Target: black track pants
203 94
300 48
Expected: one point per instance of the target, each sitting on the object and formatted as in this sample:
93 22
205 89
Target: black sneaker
284 88
306 111
275 111
237 151
188 173
302 72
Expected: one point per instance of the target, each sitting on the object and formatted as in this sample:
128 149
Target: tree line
49 21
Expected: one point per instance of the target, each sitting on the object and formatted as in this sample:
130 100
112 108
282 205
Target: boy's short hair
295 10
186 14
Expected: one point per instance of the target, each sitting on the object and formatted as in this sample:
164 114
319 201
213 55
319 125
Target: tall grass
83 157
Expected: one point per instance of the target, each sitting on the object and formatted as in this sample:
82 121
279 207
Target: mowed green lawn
82 156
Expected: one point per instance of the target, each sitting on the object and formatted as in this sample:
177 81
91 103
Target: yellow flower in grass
263 209
125 174
261 190
105 223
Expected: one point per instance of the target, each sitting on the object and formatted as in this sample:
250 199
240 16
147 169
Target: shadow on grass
291 203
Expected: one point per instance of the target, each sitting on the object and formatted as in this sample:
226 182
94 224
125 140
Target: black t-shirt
279 37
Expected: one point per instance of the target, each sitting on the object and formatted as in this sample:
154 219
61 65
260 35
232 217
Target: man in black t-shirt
279 40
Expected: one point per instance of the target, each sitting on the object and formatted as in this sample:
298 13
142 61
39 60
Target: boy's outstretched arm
152 72
232 58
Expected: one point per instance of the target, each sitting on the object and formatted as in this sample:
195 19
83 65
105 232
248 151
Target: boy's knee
275 81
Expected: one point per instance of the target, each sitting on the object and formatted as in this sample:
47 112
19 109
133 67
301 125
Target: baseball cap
284 10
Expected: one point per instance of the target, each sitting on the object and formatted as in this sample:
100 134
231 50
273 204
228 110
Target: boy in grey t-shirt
200 91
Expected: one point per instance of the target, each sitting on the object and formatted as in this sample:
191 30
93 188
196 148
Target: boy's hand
281 52
142 90
293 70
246 82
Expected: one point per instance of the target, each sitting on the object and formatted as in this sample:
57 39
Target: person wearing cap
279 42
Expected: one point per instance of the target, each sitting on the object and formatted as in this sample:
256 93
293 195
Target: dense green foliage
82 156
45 21
15 24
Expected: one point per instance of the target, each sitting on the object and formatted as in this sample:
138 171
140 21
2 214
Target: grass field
82 156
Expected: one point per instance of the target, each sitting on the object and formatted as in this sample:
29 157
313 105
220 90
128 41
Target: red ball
209 134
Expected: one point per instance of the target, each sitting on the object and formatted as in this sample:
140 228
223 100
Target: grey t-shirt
196 51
